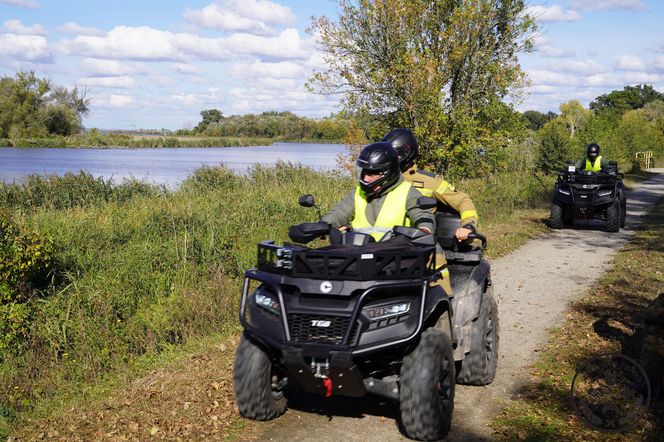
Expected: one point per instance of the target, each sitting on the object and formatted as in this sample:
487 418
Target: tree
554 140
208 117
31 106
434 66
574 115
630 98
535 120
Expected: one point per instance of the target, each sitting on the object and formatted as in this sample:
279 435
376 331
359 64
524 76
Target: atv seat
447 222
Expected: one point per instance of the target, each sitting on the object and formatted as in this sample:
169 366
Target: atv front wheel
556 219
479 366
623 209
613 217
255 381
427 387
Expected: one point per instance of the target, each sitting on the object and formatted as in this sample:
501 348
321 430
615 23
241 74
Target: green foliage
535 120
440 68
27 263
32 107
282 125
554 146
630 98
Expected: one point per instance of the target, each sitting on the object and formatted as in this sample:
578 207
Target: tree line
271 124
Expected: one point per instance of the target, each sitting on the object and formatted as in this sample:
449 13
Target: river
167 166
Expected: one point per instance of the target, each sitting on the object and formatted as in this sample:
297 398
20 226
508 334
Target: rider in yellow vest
429 184
382 198
593 161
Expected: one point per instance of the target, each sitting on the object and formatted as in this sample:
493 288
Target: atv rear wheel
427 387
613 217
479 366
556 219
255 382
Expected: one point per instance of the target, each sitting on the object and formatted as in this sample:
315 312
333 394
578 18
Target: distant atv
589 195
358 317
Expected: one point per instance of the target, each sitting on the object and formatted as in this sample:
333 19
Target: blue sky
149 64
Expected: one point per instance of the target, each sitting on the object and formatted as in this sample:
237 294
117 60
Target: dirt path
533 286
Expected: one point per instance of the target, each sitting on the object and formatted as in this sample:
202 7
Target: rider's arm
342 213
459 201
419 218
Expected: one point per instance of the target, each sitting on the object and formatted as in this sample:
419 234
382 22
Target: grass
608 319
146 273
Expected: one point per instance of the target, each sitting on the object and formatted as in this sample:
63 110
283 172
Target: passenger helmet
592 151
382 159
404 142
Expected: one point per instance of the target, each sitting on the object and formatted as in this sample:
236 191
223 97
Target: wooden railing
645 159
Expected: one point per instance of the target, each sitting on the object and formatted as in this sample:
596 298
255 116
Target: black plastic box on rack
392 259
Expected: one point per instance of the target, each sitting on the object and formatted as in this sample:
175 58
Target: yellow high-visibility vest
392 213
596 166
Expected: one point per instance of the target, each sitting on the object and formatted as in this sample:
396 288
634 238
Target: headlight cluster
378 312
604 193
564 192
267 303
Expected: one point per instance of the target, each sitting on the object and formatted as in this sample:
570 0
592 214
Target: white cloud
602 80
24 47
259 69
75 28
544 47
552 13
22 3
123 82
629 63
18 28
120 100
95 67
252 16
124 42
185 68
184 99
607 5
586 67
144 43
658 64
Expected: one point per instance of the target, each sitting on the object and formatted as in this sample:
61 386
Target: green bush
27 272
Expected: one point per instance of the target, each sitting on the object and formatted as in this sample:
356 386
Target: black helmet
592 151
404 142
382 159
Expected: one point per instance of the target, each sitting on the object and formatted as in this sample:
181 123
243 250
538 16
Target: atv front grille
317 328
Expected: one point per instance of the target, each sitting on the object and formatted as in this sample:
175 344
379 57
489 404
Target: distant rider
593 161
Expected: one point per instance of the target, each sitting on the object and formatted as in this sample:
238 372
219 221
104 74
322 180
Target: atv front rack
356 263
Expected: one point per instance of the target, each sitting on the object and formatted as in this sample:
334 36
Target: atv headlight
604 193
267 303
564 192
378 312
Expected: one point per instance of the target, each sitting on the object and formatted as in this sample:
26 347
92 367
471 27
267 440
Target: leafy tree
554 141
535 120
30 106
208 117
574 115
630 98
439 67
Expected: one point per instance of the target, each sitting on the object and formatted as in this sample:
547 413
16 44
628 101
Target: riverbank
139 271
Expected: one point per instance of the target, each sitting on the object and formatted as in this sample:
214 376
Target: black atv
589 195
358 317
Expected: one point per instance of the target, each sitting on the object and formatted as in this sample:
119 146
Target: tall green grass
141 269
